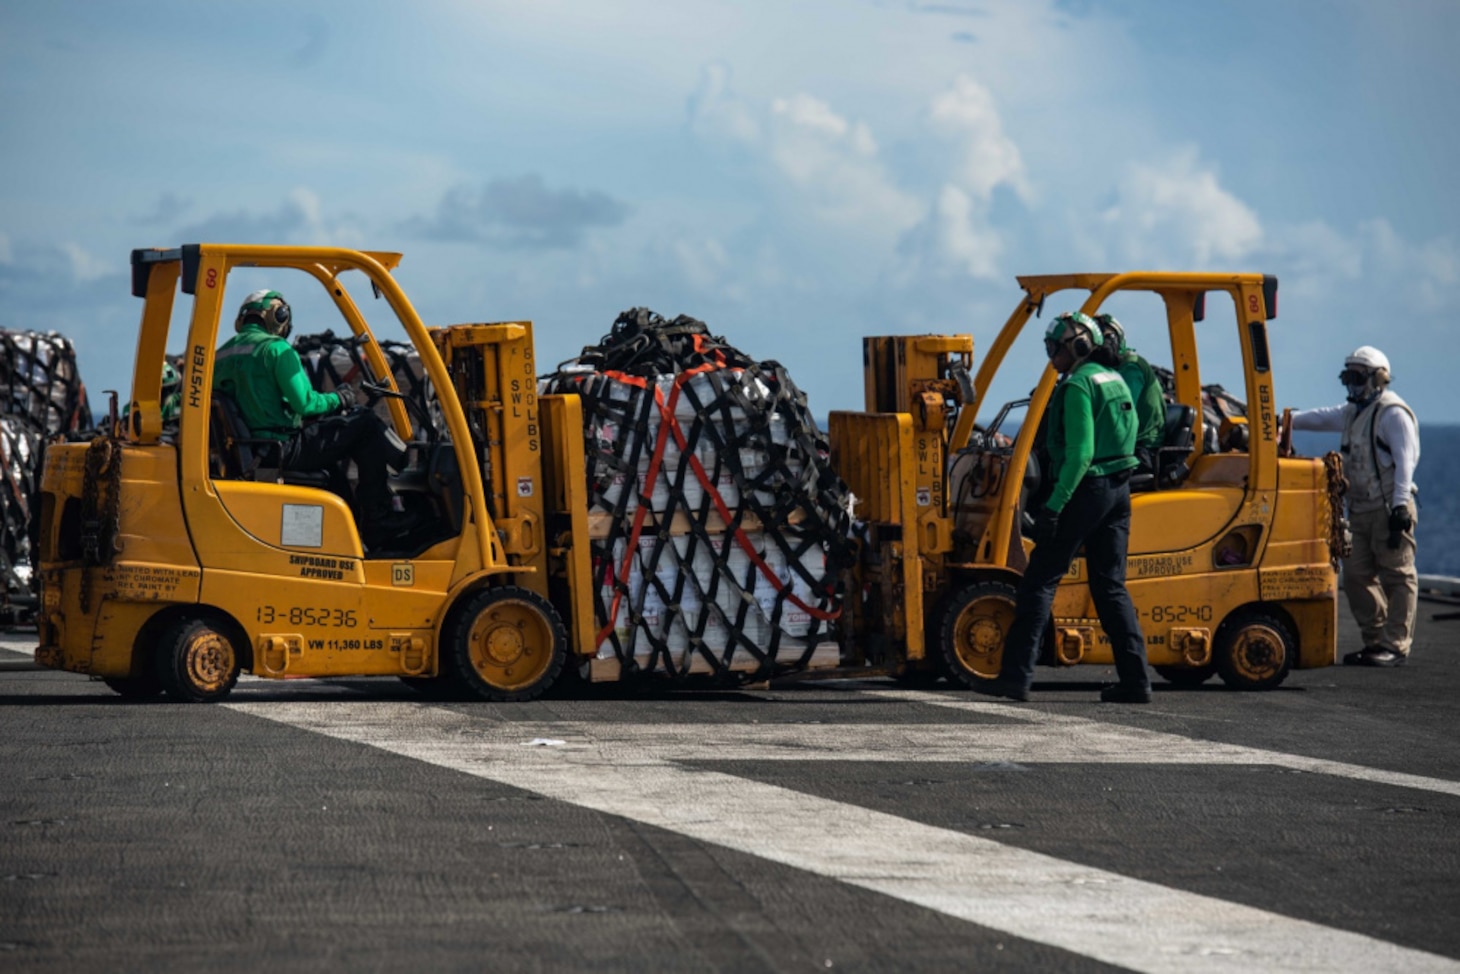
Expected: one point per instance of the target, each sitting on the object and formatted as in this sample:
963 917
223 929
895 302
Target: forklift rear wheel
1186 676
508 644
196 662
1254 650
972 627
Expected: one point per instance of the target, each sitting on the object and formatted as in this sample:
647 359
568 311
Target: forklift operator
1091 441
1145 391
263 374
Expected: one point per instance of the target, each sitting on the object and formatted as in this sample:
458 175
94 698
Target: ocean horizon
1437 535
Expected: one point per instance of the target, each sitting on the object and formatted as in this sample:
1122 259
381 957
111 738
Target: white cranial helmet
1365 374
1367 357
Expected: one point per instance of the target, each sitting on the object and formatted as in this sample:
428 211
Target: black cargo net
40 382
719 530
331 362
41 396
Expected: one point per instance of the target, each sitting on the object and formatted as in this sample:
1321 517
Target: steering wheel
374 392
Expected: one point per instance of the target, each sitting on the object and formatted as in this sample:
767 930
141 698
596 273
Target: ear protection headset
1075 330
1111 331
268 309
1081 346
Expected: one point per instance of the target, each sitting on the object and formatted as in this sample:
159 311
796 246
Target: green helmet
1073 330
1112 332
267 309
171 378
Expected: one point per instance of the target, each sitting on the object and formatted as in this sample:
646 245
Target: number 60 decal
211 278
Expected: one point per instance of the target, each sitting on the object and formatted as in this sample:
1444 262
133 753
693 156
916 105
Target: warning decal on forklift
315 566
147 583
302 526
1159 565
403 573
925 496
1301 582
524 486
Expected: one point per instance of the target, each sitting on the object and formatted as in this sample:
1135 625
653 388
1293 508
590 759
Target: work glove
347 396
1046 523
1399 523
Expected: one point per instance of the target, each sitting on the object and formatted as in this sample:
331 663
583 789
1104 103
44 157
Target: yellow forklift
1233 547
172 558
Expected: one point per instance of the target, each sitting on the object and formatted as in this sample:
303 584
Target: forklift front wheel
1254 650
972 627
508 644
196 663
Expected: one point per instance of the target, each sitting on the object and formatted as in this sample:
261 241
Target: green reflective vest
1092 429
1145 391
264 375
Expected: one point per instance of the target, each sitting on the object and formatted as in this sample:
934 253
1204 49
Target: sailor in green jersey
1145 392
1091 438
171 405
263 374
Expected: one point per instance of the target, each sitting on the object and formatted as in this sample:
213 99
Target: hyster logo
195 377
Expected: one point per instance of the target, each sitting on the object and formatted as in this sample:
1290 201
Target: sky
796 174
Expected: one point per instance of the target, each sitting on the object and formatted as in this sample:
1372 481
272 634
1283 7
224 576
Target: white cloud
85 265
1429 272
813 158
957 234
1316 260
832 163
716 112
703 262
967 113
1313 258
956 237
1176 212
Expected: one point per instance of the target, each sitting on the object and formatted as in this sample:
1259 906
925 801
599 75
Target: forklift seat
1177 441
236 454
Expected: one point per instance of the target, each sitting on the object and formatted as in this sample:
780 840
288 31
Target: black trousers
1098 517
358 435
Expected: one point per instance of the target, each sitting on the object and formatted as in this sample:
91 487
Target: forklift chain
100 518
1339 544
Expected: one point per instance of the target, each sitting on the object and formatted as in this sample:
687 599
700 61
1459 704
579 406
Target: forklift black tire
972 625
145 686
507 644
196 662
1186 676
1254 649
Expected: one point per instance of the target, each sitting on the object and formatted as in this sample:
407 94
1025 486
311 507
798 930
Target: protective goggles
1353 377
1052 347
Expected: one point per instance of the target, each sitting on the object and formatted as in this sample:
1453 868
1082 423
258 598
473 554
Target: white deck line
629 770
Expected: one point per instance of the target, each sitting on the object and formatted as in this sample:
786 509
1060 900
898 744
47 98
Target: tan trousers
1381 583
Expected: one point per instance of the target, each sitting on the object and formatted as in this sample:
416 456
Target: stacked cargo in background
41 396
718 529
331 362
